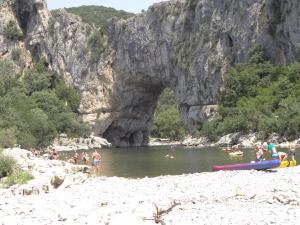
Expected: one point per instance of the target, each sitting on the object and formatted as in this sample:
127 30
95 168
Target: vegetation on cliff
258 97
36 106
97 15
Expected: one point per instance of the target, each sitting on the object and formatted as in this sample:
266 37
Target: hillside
97 15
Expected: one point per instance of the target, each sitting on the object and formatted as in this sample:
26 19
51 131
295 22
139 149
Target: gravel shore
234 197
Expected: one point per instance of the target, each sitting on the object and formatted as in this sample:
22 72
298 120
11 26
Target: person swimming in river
172 150
234 148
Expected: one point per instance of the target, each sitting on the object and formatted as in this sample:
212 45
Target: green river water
152 161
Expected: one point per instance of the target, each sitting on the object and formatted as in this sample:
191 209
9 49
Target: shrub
19 177
16 54
8 137
98 43
35 81
7 165
12 32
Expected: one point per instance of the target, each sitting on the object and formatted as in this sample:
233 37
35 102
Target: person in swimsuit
96 157
75 157
292 150
259 153
55 154
84 157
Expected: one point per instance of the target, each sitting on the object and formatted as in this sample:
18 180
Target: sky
134 6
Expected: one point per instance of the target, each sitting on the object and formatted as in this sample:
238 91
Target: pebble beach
231 197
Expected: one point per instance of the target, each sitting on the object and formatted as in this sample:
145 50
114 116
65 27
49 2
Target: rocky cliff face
186 45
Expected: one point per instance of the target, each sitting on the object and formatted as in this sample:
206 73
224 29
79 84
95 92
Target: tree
7 138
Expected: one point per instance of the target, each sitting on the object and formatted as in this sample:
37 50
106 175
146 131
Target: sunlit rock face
185 45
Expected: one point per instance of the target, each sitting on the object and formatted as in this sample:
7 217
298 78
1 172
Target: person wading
96 158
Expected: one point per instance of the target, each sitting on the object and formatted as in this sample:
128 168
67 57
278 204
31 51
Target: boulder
56 181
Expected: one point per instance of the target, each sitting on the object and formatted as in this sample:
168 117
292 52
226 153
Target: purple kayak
263 165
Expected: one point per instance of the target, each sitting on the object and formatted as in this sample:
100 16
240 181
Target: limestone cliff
186 45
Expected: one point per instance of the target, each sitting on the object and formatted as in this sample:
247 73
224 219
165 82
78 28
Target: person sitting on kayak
259 153
272 150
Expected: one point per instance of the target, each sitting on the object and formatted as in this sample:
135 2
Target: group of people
96 158
270 148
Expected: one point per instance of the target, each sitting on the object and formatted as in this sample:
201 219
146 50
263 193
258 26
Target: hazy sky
127 5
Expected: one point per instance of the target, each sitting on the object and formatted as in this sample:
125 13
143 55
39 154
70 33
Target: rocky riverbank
64 143
48 174
234 197
244 141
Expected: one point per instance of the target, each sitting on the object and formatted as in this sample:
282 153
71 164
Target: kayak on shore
287 163
263 165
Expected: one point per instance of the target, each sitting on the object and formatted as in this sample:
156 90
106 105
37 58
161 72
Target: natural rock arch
186 45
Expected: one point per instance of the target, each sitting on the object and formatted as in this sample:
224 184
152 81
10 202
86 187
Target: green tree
258 97
7 138
36 107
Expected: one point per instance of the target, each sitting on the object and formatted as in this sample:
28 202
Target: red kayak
263 165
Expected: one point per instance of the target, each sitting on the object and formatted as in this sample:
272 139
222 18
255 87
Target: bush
12 32
7 165
98 43
19 177
7 138
35 81
69 95
16 54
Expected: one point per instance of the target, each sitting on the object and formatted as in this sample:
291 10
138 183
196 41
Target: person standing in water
75 157
84 157
292 150
96 158
259 153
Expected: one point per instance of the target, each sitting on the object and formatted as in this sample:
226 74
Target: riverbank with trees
257 99
36 106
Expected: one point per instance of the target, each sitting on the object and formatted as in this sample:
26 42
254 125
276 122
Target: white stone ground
236 197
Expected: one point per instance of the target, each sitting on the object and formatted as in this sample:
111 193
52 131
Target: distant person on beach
84 157
96 158
259 153
35 152
75 157
272 150
55 154
292 150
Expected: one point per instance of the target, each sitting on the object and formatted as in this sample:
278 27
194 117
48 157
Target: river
161 160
